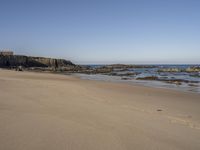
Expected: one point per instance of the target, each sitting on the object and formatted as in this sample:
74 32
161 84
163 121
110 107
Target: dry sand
56 112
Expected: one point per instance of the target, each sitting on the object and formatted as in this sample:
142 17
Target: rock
196 75
174 82
125 78
19 68
124 66
190 69
111 69
123 74
179 81
148 78
194 85
99 70
193 69
170 70
13 61
159 110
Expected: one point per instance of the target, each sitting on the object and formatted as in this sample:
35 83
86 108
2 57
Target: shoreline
133 82
118 81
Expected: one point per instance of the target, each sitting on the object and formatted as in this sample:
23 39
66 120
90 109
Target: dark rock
170 70
194 85
99 70
124 66
179 81
159 110
174 82
123 74
111 69
193 69
148 78
195 75
19 68
190 69
125 78
27 61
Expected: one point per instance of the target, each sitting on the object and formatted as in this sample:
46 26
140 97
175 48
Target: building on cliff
6 53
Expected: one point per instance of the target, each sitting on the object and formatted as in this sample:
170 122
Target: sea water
193 77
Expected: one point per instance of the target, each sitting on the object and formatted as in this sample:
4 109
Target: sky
103 31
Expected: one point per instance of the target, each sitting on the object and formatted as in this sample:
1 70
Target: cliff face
27 61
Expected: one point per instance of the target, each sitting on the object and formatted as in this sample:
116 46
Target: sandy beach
40 111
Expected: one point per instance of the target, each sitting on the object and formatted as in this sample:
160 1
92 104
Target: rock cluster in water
112 69
189 69
173 81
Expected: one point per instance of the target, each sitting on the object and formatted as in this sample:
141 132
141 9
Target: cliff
28 61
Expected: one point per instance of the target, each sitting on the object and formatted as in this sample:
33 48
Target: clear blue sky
103 31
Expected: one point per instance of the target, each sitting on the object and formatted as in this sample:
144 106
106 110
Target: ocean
191 79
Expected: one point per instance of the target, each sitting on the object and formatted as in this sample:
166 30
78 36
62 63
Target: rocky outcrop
193 69
173 81
124 66
170 70
189 69
112 69
148 78
27 61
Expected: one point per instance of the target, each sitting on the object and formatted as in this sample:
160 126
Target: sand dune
56 112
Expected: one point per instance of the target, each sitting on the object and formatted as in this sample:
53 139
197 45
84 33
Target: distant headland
9 60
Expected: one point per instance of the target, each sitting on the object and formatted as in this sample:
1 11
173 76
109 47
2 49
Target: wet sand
40 111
